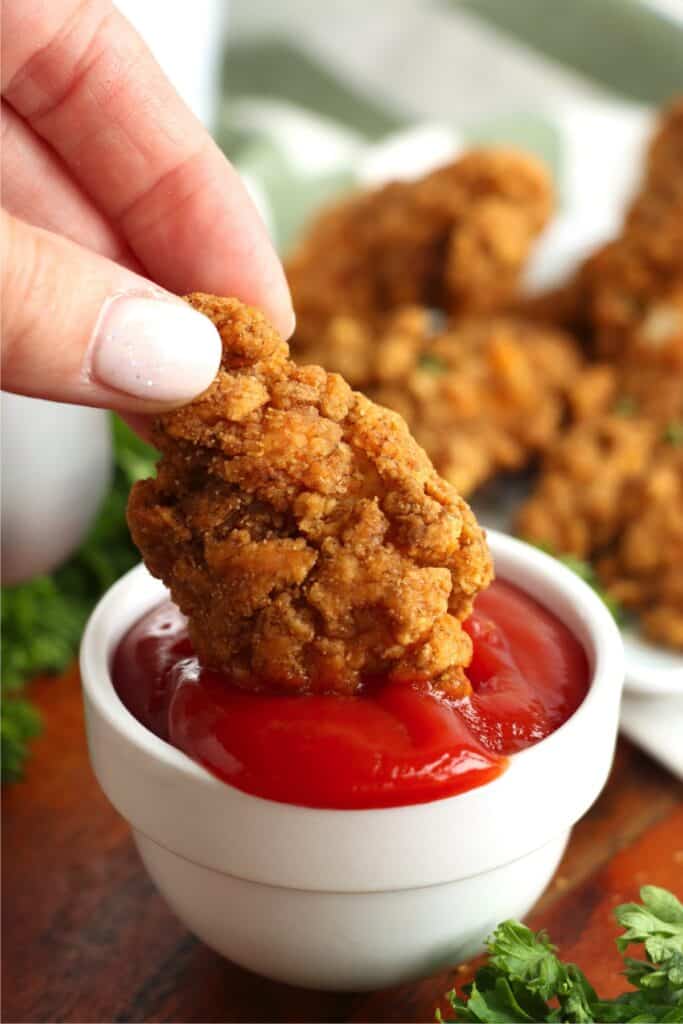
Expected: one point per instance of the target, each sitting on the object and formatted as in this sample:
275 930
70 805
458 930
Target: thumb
77 327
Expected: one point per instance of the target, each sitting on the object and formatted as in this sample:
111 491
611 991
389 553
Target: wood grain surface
87 938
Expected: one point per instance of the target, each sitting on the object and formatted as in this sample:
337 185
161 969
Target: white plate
655 724
651 669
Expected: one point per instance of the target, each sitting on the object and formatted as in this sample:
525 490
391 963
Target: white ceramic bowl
354 899
56 467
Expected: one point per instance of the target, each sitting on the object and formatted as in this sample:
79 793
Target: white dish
354 899
656 724
651 669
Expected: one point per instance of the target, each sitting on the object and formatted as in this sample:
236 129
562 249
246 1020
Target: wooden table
87 938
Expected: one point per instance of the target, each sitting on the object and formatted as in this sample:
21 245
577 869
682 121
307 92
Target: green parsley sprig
525 981
673 433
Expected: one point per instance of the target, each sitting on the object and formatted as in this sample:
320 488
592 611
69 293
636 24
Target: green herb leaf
525 980
525 956
673 433
497 1004
432 363
19 722
658 921
576 996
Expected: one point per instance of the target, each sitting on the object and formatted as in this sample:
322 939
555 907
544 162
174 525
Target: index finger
86 82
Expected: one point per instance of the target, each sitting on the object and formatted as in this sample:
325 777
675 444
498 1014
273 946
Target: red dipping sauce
394 744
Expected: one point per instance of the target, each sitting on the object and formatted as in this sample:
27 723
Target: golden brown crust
626 300
652 390
481 395
302 530
612 490
485 396
630 293
456 239
489 395
662 187
644 571
578 503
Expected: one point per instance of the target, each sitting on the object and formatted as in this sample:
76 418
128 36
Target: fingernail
280 305
290 327
153 348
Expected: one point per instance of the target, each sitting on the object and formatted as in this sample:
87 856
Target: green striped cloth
319 96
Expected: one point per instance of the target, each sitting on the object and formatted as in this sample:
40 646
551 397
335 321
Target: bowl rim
105 696
535 572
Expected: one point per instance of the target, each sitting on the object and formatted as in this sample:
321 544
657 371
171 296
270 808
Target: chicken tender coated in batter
662 187
482 395
611 489
485 395
630 293
578 505
652 391
626 300
302 530
455 240
645 569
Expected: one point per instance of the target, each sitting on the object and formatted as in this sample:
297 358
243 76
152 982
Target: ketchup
395 743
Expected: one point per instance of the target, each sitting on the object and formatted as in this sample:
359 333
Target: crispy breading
652 391
662 186
612 491
485 395
626 299
645 569
456 240
630 293
578 503
482 395
369 352
302 530
592 393
595 388
613 488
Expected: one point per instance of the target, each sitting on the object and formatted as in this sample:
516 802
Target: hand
110 184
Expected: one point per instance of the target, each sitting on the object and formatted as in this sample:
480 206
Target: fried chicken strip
626 300
630 293
302 530
662 186
612 491
578 505
645 569
455 240
482 395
